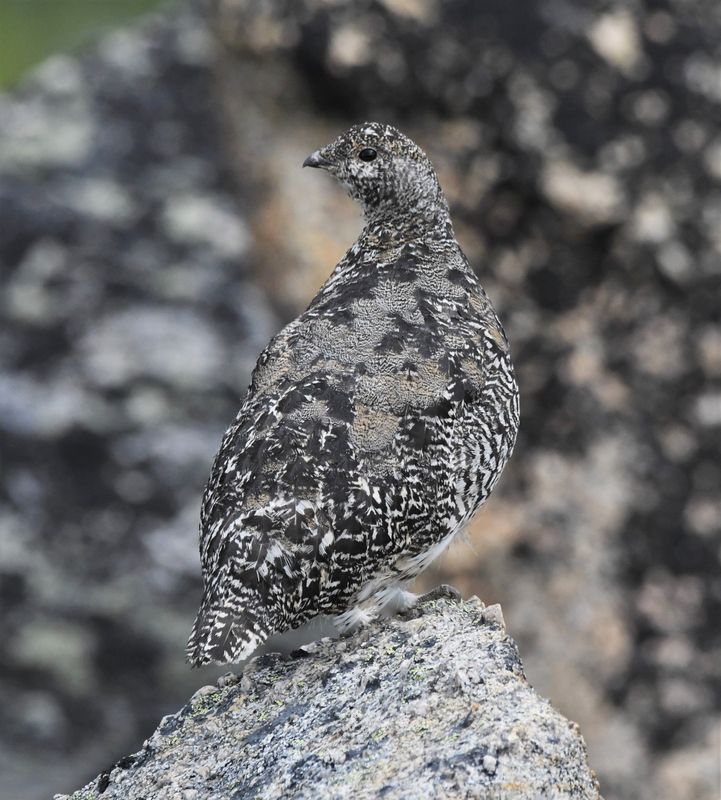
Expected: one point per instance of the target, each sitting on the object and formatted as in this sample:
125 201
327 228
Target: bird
376 423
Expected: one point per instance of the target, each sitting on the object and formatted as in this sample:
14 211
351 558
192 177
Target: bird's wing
303 440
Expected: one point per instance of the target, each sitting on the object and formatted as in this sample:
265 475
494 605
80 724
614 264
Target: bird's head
384 170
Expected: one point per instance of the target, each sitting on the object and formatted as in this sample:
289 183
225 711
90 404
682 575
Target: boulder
431 704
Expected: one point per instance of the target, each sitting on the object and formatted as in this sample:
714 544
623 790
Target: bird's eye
367 154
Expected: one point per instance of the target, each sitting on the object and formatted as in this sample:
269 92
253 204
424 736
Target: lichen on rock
433 703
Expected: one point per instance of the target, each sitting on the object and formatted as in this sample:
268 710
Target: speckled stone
434 704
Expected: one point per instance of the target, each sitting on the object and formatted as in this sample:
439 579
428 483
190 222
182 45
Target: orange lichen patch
266 225
497 528
294 257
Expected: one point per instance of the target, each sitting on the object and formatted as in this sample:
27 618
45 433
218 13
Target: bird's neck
394 226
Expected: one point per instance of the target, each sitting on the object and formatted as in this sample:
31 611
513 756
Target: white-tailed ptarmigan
376 423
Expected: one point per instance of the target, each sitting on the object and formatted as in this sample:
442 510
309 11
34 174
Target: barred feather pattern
375 425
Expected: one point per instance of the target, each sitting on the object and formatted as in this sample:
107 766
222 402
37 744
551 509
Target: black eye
367 154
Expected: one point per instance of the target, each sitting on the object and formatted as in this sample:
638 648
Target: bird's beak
318 160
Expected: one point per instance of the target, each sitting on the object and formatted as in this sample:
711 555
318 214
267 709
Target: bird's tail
223 634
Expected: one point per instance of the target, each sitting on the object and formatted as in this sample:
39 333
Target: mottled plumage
376 422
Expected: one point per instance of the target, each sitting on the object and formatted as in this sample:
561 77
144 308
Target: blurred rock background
156 229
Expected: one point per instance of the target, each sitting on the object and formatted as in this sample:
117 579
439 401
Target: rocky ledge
431 704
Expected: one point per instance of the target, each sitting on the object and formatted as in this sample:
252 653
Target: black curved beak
317 160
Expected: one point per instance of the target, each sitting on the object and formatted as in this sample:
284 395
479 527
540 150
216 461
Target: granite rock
434 705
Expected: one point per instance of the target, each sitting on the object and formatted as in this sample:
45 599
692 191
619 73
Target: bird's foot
353 619
394 600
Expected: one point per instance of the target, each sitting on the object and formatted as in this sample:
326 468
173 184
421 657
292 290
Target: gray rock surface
434 704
